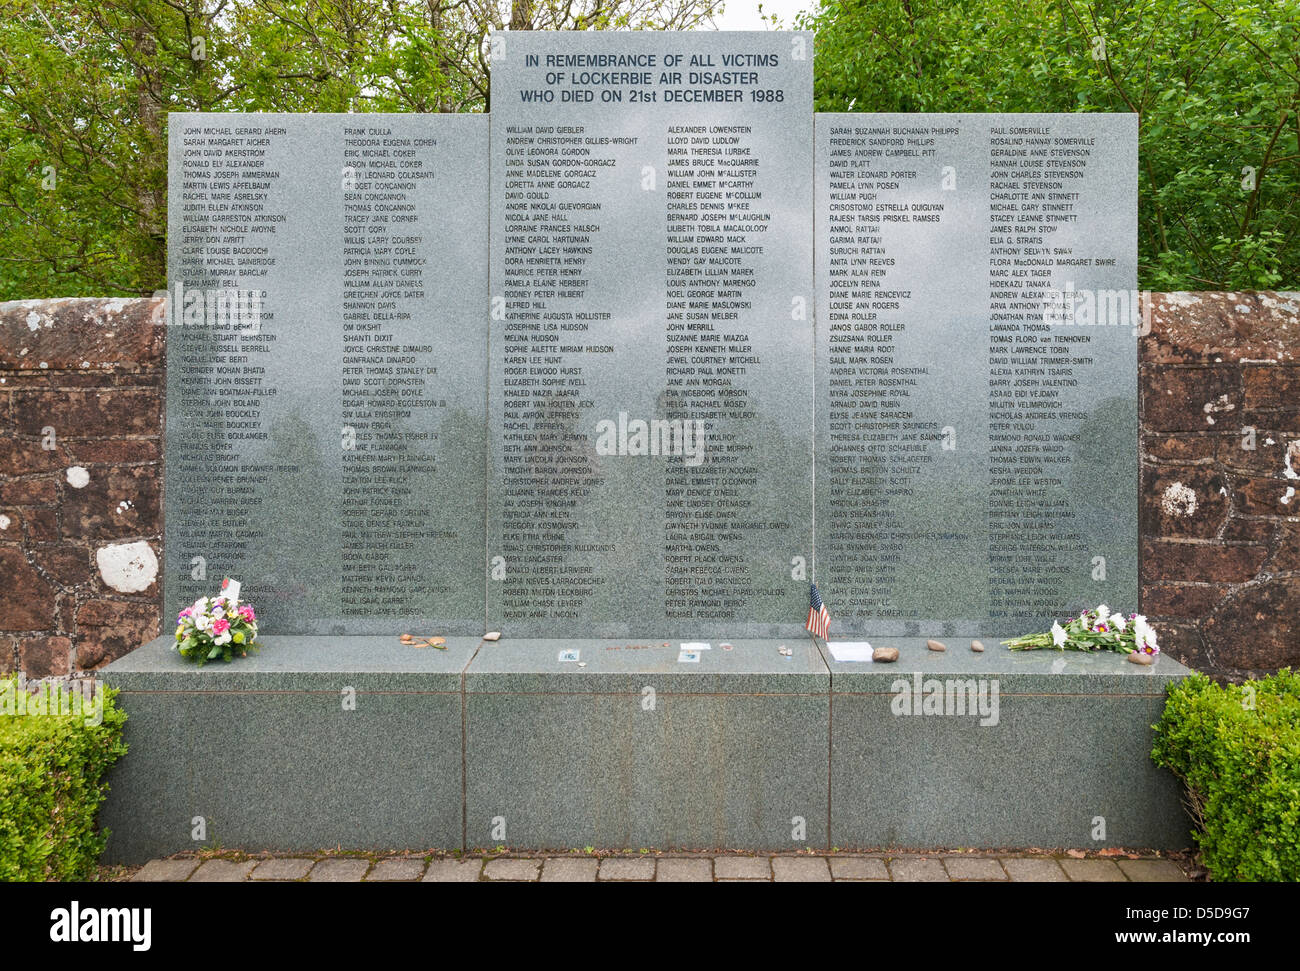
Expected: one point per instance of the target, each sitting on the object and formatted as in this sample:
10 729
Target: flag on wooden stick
819 618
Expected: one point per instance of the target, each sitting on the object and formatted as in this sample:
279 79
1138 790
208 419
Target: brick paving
667 868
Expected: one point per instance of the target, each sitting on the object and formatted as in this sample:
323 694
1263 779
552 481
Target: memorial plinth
1068 745
360 742
315 742
638 749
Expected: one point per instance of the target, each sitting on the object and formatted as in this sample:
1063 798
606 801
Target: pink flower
247 613
185 613
220 626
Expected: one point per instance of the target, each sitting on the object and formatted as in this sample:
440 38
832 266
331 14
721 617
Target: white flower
1059 637
1117 621
1102 613
222 639
1144 637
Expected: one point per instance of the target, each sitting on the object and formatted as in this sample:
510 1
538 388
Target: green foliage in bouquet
1237 749
1094 630
55 747
216 627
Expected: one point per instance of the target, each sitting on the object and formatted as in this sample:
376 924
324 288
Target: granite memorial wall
646 350
325 407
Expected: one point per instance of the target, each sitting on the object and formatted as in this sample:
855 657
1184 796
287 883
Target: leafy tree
1216 83
86 85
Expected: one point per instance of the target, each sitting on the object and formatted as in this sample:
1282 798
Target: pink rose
220 626
247 613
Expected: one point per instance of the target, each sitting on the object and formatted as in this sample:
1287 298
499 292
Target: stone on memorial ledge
977 647
936 646
885 654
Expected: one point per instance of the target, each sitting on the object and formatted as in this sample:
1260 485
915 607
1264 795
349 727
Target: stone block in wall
1256 626
45 656
81 333
1183 502
28 600
109 629
1191 399
1201 562
1223 328
113 502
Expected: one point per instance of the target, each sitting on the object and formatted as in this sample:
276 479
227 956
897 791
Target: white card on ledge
695 646
850 650
230 590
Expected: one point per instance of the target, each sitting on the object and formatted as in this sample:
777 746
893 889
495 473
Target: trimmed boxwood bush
52 762
1237 749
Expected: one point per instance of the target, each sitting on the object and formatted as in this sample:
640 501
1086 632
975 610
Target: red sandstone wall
80 481
1220 519
81 533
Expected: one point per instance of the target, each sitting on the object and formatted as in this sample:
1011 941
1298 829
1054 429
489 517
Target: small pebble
977 647
1138 657
885 654
492 635
935 646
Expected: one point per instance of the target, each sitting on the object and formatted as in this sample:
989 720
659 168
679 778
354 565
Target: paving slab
1153 871
339 871
165 871
622 868
562 869
800 869
684 870
742 868
223 871
1032 870
512 869
453 871
1093 871
917 870
858 868
396 870
974 868
284 868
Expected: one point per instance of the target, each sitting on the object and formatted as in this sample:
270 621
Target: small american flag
819 619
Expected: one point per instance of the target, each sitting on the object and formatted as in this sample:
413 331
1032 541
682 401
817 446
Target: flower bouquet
1094 630
216 627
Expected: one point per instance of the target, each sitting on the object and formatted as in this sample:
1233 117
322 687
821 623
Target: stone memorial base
627 746
270 752
1061 760
637 749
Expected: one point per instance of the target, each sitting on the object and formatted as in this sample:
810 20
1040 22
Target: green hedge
53 754
1237 749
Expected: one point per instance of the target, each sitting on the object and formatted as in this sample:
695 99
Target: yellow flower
237 637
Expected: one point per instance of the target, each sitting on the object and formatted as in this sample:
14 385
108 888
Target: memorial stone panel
325 367
976 370
651 338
